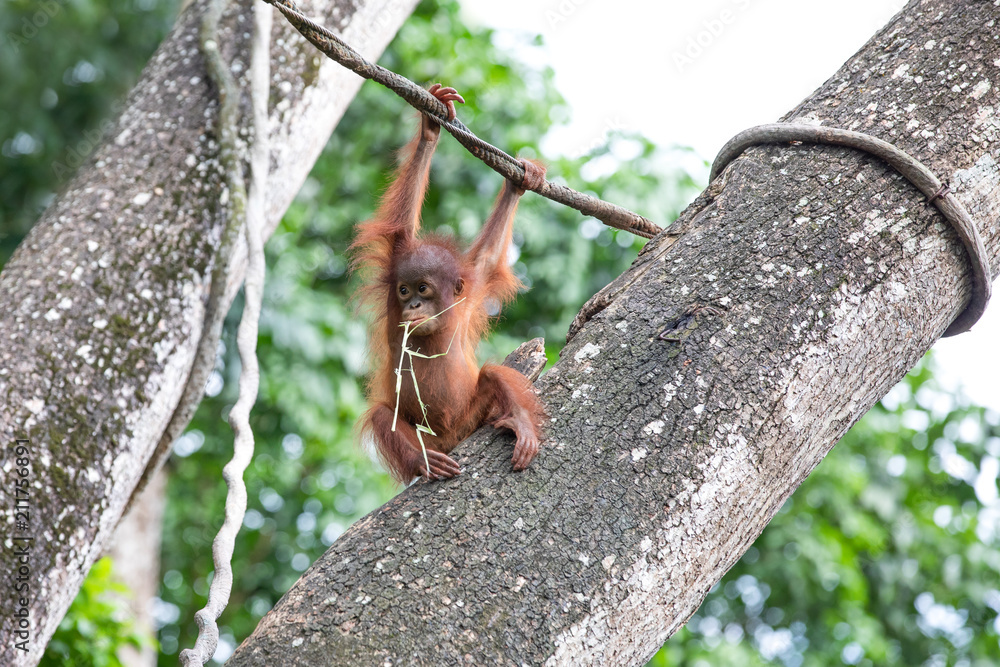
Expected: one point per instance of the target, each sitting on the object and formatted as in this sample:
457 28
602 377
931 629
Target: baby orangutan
431 294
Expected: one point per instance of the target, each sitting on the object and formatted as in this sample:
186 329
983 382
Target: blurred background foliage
97 624
67 66
887 554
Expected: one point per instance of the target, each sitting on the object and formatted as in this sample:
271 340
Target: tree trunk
827 276
103 304
135 554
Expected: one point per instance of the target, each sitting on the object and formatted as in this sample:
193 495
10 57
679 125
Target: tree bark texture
103 304
135 551
792 295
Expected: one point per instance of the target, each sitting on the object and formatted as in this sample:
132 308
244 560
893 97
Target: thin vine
407 354
251 216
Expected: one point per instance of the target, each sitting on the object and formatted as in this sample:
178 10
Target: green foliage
97 625
888 554
309 480
65 64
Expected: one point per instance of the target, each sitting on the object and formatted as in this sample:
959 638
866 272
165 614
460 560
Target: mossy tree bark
822 276
103 304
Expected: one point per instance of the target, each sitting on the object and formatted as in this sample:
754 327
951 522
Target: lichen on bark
103 303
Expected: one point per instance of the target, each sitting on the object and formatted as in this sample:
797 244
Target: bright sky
696 73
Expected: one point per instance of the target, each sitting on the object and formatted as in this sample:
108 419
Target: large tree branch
827 276
103 305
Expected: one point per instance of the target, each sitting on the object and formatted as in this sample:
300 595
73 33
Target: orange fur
458 396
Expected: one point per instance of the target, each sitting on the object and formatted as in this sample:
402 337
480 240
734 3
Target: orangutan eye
422 289
402 290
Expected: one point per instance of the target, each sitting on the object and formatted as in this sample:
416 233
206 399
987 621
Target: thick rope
246 337
911 168
505 165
